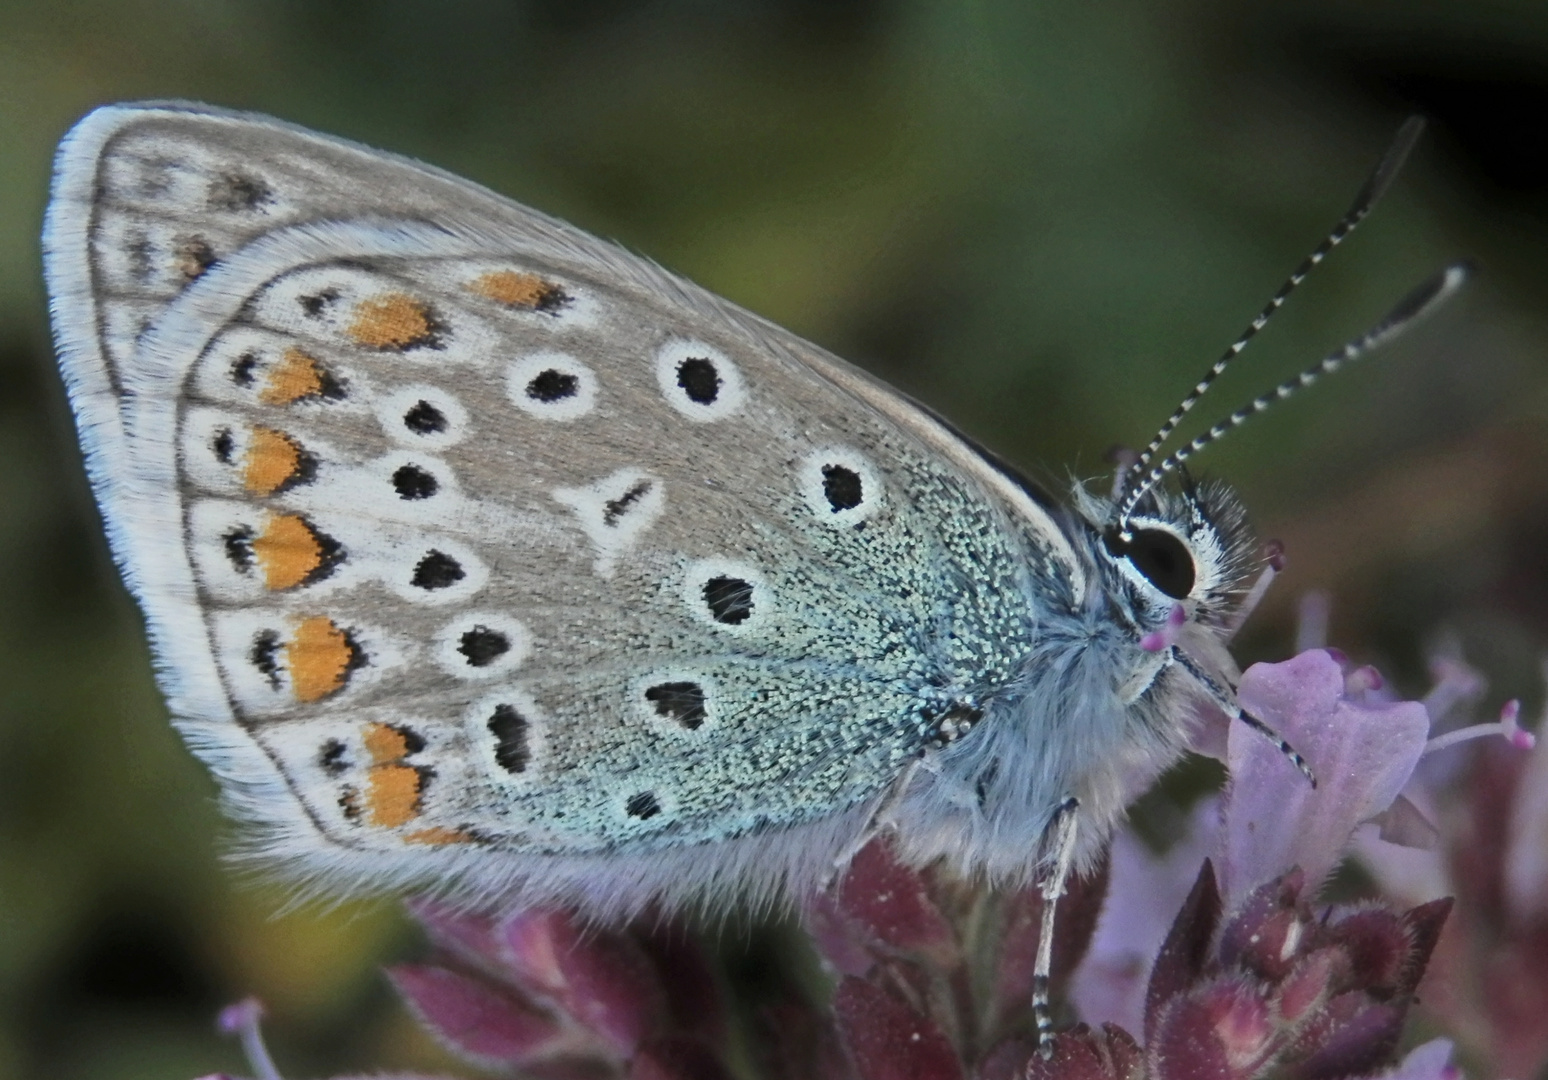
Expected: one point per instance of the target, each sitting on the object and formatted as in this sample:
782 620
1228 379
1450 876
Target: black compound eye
1161 557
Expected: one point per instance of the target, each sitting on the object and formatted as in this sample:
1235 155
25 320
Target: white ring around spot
700 572
813 478
665 724
477 720
401 570
449 644
520 375
730 393
392 410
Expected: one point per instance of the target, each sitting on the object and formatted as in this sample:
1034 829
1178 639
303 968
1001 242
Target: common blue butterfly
480 554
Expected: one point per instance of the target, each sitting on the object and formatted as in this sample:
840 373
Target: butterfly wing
471 546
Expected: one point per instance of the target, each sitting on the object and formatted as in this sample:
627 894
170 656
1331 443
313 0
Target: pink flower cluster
1213 960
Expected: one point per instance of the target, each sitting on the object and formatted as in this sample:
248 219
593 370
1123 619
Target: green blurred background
1044 219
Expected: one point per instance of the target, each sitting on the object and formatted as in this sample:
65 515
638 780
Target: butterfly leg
1062 831
879 820
1227 703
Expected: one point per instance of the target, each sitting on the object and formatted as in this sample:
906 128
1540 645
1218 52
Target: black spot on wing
643 805
437 570
424 418
238 544
729 599
682 702
313 305
842 487
552 385
332 759
224 445
481 646
614 510
699 380
414 482
264 655
509 728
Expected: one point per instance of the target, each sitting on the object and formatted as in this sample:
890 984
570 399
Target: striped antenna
1374 188
1417 304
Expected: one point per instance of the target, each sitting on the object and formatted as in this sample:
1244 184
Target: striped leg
1062 831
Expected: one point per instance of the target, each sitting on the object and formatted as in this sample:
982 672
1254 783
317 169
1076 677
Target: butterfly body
478 552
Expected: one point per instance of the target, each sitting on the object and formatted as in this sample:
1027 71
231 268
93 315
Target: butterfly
480 554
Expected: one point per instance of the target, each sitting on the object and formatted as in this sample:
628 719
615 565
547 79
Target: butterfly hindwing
470 544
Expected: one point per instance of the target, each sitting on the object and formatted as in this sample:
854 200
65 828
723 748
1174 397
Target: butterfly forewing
457 529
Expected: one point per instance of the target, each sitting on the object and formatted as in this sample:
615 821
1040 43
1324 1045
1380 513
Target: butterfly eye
1160 556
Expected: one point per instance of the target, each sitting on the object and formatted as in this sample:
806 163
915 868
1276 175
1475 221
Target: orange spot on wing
272 458
296 376
517 289
392 794
438 835
385 743
319 656
392 321
288 551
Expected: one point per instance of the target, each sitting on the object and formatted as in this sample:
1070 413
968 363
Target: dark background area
1043 219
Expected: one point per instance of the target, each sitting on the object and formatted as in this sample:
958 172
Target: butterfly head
1191 548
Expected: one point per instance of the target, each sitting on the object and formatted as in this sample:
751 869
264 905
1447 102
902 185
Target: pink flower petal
1362 754
1265 933
468 935
1379 944
1428 1061
892 903
843 945
888 1039
1185 952
475 1018
1407 875
1221 1029
602 979
532 942
1144 895
1526 855
1350 1037
1405 824
1305 988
